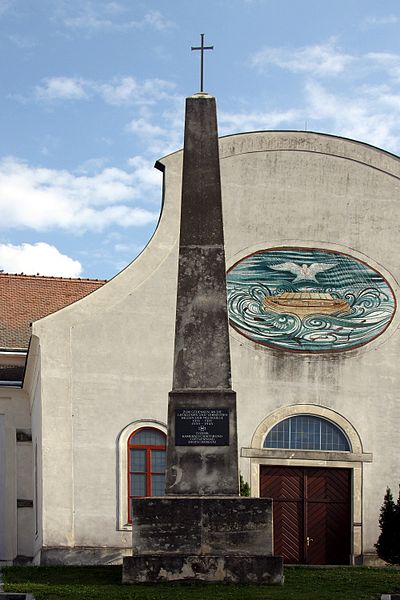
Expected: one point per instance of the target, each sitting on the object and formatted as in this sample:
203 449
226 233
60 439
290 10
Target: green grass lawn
104 583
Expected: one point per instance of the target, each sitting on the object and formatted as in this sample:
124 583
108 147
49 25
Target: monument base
162 568
204 538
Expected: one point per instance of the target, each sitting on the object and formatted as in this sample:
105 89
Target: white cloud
253 121
22 41
112 16
387 61
362 108
120 91
385 20
39 258
160 140
321 59
127 91
5 5
146 176
40 198
155 19
61 88
92 165
114 8
123 248
325 60
366 113
146 129
364 116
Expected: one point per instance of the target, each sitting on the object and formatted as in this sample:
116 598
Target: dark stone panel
204 470
23 435
202 426
199 525
265 570
21 503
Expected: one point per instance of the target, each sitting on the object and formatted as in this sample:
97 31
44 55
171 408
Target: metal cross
202 48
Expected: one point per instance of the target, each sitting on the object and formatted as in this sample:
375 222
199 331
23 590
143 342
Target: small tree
388 544
244 487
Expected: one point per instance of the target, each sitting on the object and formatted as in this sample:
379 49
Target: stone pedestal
214 539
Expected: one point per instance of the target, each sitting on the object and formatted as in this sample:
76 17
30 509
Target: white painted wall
15 476
106 361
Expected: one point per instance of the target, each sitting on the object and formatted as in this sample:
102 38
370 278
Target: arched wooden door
312 513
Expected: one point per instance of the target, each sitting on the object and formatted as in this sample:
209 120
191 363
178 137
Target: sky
92 94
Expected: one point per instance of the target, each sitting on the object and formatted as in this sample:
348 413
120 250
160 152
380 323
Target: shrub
388 544
244 487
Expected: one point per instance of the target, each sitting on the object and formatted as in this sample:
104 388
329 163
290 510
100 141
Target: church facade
312 246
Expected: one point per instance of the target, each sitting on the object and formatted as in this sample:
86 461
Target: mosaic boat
303 304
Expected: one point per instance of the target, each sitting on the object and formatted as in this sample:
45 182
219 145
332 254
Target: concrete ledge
306 454
82 555
148 568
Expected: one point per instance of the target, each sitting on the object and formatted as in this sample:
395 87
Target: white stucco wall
15 476
106 361
32 384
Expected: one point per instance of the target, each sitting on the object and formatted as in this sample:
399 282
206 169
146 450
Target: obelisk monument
202 529
202 453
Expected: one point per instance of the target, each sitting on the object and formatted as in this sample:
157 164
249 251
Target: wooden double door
312 513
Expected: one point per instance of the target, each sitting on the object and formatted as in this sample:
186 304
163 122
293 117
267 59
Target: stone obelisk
202 456
202 529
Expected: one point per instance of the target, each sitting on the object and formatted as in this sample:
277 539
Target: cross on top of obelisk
202 47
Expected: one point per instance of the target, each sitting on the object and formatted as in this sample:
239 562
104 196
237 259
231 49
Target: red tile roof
26 298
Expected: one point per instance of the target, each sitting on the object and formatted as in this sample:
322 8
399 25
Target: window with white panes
307 432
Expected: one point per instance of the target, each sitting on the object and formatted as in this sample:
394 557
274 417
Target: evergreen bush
244 487
388 544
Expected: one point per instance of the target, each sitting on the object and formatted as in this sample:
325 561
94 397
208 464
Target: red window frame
148 472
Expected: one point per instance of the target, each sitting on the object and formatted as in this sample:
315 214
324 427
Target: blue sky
92 94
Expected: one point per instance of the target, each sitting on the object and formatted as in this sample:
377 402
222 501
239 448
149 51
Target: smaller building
23 299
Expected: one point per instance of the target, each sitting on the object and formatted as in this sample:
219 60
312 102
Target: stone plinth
203 469
202 525
158 568
223 539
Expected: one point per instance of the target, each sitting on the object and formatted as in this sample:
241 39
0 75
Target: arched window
146 464
307 432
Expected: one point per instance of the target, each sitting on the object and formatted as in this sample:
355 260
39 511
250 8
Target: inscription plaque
202 427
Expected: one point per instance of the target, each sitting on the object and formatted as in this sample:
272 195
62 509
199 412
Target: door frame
353 460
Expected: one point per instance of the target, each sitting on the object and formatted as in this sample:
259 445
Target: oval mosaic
308 300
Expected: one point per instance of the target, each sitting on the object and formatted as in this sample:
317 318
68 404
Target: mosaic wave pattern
308 300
